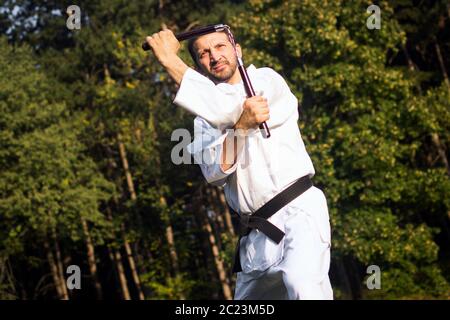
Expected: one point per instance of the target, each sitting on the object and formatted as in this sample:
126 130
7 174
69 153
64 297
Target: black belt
258 220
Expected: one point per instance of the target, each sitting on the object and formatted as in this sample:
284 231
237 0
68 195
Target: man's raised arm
165 46
197 94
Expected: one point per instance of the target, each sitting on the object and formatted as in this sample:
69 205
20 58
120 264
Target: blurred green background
86 119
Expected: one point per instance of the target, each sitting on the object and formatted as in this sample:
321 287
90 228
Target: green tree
48 181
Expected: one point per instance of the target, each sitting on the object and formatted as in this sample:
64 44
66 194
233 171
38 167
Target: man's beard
223 75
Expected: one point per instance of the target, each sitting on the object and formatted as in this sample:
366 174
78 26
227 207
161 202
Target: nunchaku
244 75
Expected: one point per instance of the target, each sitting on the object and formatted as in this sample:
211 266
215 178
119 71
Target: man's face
216 56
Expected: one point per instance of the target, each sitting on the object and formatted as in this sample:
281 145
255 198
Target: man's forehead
207 39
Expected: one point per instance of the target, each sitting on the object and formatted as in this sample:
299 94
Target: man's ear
239 50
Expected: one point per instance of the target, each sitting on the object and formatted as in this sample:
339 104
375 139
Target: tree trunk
138 135
130 184
60 267
205 257
169 237
217 223
216 208
7 281
412 67
441 64
132 264
128 250
123 157
218 261
91 259
116 255
170 241
434 136
224 281
228 222
117 259
441 150
54 270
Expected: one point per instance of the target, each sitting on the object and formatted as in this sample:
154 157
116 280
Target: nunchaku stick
243 72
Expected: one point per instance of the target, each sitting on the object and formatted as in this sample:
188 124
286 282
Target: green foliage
47 182
172 289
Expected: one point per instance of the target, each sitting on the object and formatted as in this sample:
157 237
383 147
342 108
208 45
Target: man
287 256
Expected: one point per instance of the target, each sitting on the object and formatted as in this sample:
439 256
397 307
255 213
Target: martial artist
284 248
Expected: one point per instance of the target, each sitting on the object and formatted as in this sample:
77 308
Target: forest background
86 119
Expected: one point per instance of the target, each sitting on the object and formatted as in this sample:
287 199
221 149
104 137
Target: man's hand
256 111
165 46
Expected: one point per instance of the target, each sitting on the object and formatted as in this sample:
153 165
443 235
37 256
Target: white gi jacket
264 167
268 165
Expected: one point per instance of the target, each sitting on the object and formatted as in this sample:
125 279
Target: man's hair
192 50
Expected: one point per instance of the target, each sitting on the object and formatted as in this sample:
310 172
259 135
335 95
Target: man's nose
214 55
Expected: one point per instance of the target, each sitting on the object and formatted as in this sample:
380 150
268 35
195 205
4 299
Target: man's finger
171 34
262 104
263 111
256 98
165 34
149 40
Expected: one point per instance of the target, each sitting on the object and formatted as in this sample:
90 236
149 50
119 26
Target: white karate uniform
297 267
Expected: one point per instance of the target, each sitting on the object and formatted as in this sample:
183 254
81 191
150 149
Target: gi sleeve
207 152
282 102
200 96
